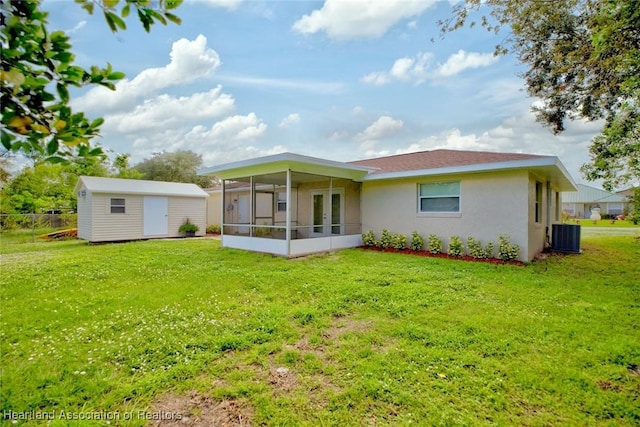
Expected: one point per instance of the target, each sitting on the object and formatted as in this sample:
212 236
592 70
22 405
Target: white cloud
227 4
462 60
382 128
417 69
80 25
303 85
167 111
351 19
190 60
291 119
234 128
517 134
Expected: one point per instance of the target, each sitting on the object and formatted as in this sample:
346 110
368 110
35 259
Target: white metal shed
111 209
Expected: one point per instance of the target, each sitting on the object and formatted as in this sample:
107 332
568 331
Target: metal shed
112 209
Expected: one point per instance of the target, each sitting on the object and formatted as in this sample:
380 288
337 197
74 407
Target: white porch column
288 213
223 208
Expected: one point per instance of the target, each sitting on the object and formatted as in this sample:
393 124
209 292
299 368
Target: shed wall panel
181 208
113 227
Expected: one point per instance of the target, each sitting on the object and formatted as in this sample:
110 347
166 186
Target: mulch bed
443 255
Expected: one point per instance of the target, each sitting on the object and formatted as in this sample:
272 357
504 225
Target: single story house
580 204
291 205
112 209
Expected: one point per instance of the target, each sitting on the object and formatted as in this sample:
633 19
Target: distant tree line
46 187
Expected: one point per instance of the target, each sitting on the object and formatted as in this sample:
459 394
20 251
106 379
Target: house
580 204
290 205
111 209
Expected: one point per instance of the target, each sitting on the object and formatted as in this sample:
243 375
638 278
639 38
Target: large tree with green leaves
583 59
45 186
37 70
181 166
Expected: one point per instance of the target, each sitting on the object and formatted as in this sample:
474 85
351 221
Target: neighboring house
111 209
580 204
290 205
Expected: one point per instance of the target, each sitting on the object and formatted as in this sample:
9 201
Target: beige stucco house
113 209
291 205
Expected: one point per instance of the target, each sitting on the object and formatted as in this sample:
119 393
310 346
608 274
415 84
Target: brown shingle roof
438 159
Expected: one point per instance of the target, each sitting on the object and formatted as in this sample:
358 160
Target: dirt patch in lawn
345 325
198 410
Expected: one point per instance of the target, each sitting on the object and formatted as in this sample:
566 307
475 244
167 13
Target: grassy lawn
185 329
604 223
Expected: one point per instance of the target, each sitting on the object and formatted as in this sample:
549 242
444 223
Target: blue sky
337 79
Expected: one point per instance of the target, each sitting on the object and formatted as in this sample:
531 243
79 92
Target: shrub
455 246
488 250
386 239
369 238
417 241
398 241
507 251
435 244
474 246
188 227
213 229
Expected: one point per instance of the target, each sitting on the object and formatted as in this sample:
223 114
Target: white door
156 216
327 213
243 213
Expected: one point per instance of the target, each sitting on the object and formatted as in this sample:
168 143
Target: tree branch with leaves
37 69
583 59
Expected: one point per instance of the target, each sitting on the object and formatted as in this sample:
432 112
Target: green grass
367 337
604 223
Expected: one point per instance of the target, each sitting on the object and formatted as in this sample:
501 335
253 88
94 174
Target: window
615 208
538 201
117 206
439 197
281 203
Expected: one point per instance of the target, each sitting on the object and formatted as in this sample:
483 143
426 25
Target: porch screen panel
318 213
335 213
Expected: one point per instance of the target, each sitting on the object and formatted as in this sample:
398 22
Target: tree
44 186
37 70
583 59
180 166
123 169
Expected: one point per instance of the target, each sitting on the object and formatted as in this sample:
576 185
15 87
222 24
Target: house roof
96 184
283 161
586 194
423 163
439 159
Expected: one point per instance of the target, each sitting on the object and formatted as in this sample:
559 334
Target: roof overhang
278 163
549 166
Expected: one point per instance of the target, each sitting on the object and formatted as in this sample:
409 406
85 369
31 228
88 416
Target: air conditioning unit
566 238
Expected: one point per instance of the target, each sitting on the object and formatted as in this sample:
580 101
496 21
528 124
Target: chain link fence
17 228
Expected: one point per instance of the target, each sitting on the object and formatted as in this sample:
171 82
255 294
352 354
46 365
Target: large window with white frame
439 197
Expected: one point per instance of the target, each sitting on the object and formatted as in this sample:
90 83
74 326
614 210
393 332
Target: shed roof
586 194
96 184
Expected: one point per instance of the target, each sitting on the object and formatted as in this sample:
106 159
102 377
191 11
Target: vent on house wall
566 238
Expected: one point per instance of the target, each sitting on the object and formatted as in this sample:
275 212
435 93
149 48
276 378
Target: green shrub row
507 251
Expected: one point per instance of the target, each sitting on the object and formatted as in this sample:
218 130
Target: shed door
156 216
